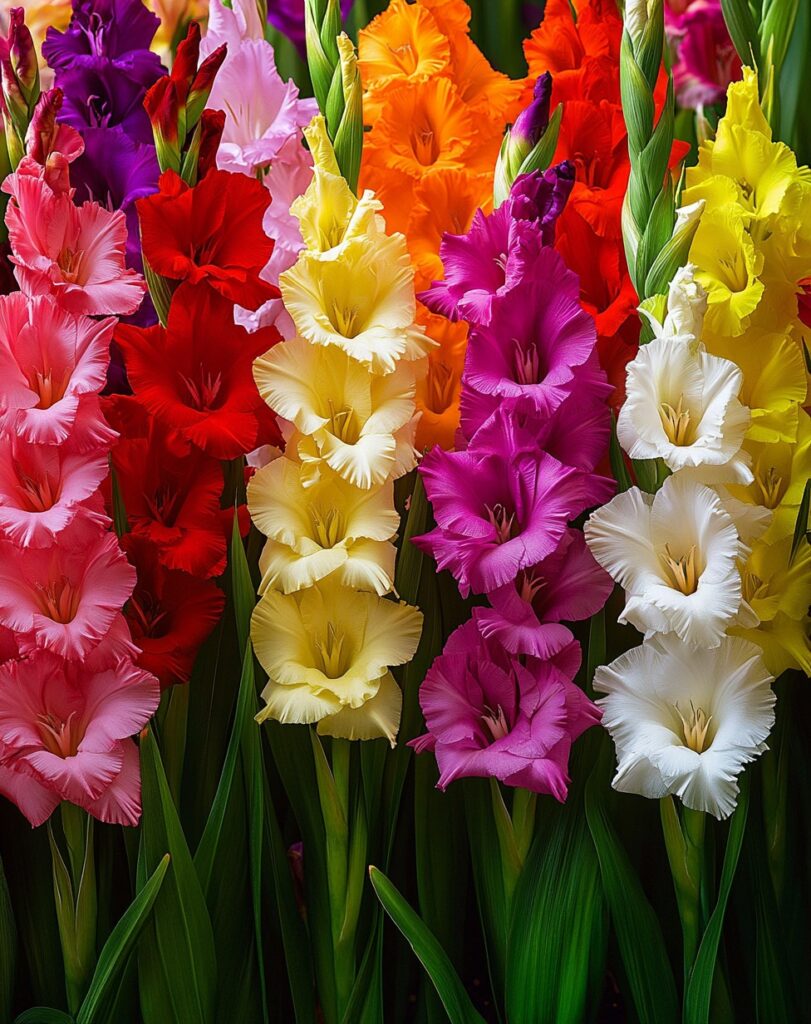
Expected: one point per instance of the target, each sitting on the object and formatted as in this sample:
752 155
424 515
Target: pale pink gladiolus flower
65 733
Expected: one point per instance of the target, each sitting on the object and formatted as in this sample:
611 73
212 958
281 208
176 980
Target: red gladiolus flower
195 375
171 492
170 613
211 233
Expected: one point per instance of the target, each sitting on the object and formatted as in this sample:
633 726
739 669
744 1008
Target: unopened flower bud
23 57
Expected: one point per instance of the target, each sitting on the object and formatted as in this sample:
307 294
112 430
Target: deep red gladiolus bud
162 104
201 85
212 123
184 67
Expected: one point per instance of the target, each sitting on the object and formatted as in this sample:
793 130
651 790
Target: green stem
173 737
684 841
511 861
76 901
524 804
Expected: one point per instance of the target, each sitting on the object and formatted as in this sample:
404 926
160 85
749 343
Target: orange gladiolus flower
437 111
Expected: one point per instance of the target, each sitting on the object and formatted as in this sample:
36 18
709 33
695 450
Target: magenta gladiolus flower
64 597
492 716
64 732
497 514
527 613
52 366
75 253
536 338
500 248
705 57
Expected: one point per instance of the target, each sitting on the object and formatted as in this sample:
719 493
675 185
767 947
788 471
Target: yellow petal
378 717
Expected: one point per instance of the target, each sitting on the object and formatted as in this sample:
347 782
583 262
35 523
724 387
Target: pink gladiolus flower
75 253
64 597
497 514
491 716
65 735
43 488
52 365
527 613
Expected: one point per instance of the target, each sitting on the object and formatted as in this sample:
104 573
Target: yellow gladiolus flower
728 268
327 652
779 594
362 303
329 527
780 472
774 382
357 422
328 213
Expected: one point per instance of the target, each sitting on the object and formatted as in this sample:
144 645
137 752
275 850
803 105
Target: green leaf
742 29
43 1015
431 955
801 525
639 937
222 861
117 948
8 948
596 647
242 589
177 966
699 985
557 943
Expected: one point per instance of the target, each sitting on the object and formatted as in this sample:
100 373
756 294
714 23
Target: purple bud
532 121
23 56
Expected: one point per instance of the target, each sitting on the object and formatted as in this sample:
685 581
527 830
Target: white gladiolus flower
686 720
676 555
682 406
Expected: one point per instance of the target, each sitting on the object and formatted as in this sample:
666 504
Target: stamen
331 652
683 571
345 320
527 363
770 487
327 527
71 263
694 727
502 522
676 422
343 424
59 600
204 391
60 738
495 722
441 385
38 495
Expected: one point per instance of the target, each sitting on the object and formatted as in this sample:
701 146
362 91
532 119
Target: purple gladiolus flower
103 65
489 715
527 614
500 248
496 513
114 171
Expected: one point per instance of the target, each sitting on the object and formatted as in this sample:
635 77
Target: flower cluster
103 67
752 251
194 403
71 695
437 113
691 706
261 137
323 630
500 701
705 59
582 53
